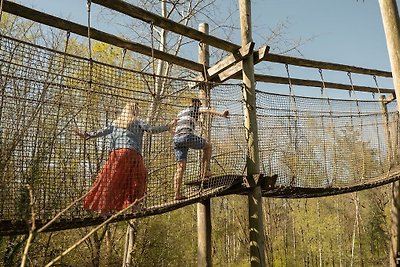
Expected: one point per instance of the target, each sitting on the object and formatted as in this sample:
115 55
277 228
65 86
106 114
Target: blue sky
346 31
341 31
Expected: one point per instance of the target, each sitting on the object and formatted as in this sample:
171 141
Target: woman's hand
171 125
80 134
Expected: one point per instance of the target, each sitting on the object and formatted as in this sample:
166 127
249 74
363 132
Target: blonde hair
127 116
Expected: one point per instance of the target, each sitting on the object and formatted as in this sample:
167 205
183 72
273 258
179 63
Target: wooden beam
170 25
204 223
230 60
325 65
236 69
40 17
391 25
167 24
319 84
255 203
261 54
34 15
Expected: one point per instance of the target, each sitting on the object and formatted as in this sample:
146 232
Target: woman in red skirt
123 178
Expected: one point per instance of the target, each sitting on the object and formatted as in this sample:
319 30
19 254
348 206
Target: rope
292 107
332 127
376 119
123 58
88 5
152 46
152 60
204 64
361 125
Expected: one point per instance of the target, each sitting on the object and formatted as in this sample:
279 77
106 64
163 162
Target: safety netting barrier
308 146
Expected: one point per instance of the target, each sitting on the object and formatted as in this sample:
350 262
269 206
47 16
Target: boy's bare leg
207 151
180 169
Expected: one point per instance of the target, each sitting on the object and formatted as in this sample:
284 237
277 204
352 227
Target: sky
340 31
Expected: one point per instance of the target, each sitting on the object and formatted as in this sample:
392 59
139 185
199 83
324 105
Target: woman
123 178
186 138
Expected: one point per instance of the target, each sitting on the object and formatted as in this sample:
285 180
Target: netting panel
312 143
323 143
46 95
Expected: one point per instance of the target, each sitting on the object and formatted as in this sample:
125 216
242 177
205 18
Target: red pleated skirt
122 180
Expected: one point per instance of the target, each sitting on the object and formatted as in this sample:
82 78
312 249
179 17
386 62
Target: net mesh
314 143
326 143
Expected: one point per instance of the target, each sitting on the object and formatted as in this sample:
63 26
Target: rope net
47 95
326 146
314 146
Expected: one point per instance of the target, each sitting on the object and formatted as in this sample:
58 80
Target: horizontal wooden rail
34 15
178 28
167 24
325 65
22 11
319 84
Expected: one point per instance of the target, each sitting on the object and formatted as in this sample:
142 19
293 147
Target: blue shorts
182 143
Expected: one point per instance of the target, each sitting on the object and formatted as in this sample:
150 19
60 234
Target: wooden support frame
204 223
31 14
232 73
230 60
175 27
167 24
391 25
255 208
236 70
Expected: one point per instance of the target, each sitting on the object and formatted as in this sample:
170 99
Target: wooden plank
43 18
325 65
319 84
230 60
167 24
259 56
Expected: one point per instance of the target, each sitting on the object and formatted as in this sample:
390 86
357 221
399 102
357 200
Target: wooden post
385 118
391 24
204 207
204 258
256 227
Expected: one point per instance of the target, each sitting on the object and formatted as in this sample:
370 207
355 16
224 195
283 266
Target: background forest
344 230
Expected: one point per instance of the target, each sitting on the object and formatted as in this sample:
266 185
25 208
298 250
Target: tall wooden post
391 24
256 227
204 207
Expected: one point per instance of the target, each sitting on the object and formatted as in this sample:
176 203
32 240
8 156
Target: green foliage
304 232
13 246
167 240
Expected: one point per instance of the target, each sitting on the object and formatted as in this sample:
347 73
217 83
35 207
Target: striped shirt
186 120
